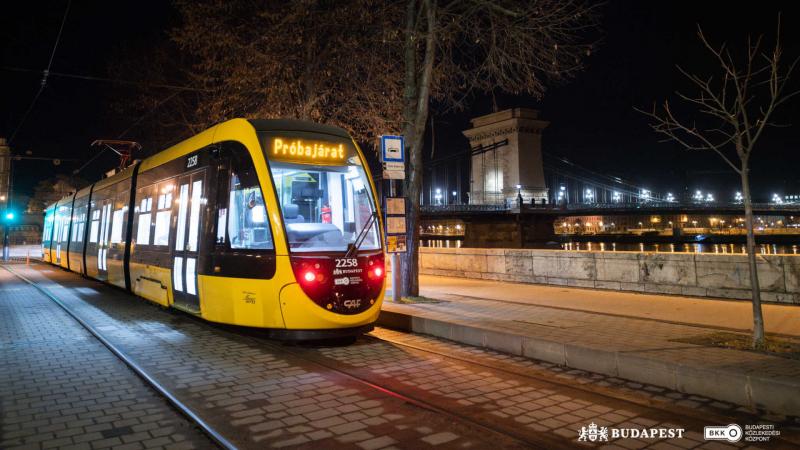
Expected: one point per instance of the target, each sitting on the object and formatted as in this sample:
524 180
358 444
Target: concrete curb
775 395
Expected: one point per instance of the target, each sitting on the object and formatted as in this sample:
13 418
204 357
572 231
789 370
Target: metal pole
395 260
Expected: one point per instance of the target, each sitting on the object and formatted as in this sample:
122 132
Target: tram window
222 219
164 206
325 207
248 224
95 230
116 226
145 217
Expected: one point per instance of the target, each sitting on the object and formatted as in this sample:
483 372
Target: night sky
593 120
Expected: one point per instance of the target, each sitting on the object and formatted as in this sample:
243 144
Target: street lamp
616 197
644 195
438 196
777 199
670 197
588 196
709 197
698 196
738 197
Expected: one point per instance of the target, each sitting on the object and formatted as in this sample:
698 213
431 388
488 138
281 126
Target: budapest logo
593 434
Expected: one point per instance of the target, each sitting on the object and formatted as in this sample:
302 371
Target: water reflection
440 243
764 249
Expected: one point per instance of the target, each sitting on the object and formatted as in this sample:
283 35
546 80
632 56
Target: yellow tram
260 223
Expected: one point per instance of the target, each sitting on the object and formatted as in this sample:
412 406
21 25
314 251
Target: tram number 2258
346 262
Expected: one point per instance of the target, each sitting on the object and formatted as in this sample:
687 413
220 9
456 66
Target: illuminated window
248 226
116 225
163 215
145 218
95 230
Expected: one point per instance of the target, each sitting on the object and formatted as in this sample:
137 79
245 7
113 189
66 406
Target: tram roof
296 125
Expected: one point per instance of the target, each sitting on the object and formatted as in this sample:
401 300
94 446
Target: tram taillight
310 276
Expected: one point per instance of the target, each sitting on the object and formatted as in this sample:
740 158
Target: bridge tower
497 173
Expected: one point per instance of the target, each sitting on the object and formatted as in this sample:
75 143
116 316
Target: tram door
190 201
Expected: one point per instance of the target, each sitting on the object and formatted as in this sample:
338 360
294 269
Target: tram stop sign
393 157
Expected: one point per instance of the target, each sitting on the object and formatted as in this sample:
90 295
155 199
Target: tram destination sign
308 151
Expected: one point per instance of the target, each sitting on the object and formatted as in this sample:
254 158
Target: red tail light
338 284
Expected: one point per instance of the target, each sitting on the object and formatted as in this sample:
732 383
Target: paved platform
614 333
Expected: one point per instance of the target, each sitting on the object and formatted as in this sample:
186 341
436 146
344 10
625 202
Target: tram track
525 441
543 442
696 420
190 415
312 357
704 417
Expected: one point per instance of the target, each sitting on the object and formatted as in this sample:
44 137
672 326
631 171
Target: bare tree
317 60
728 115
373 66
453 48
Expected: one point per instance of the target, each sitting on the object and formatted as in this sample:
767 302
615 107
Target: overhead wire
107 80
45 75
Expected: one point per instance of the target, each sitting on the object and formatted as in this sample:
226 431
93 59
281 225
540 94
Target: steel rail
600 391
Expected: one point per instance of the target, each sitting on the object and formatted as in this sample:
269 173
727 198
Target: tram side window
163 214
78 224
145 218
248 223
95 230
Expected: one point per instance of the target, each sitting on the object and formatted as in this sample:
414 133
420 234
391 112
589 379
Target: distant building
501 175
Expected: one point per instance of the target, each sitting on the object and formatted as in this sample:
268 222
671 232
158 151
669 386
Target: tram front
331 222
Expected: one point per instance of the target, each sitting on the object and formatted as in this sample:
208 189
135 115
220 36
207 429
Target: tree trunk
417 96
758 319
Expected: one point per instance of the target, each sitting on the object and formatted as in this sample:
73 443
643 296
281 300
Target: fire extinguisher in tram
326 214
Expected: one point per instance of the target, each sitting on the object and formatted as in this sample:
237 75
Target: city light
738 197
777 199
709 197
644 195
438 196
616 197
670 198
588 196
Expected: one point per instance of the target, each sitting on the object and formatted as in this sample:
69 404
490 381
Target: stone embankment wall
691 274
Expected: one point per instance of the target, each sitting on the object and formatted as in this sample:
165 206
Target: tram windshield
325 196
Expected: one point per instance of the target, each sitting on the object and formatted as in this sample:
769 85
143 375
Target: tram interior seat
291 214
260 235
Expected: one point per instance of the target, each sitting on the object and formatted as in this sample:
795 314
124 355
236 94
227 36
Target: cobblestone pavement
423 392
61 388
